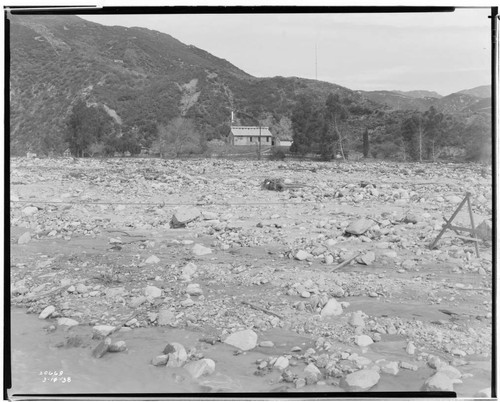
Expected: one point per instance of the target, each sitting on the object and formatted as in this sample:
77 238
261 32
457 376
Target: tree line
335 128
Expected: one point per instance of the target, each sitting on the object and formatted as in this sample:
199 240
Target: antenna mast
316 59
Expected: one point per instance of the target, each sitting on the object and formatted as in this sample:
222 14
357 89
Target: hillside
483 91
143 79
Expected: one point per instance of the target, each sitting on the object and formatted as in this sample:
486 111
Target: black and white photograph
250 202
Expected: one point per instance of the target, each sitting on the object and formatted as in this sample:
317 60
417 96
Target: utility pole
260 137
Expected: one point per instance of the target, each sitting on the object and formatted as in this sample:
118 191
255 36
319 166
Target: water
35 351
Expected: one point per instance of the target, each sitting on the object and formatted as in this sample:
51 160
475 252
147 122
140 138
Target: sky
442 52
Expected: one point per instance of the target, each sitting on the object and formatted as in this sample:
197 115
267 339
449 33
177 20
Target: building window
250 139
267 139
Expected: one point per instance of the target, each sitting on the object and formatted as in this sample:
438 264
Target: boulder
363 340
438 382
356 319
160 360
332 308
200 368
29 211
188 271
114 292
244 340
102 330
24 238
165 317
193 289
119 346
281 363
183 216
152 292
301 255
361 380
101 349
450 371
484 393
152 260
177 355
484 230
389 367
137 301
67 322
266 344
359 227
367 259
47 312
200 250
312 373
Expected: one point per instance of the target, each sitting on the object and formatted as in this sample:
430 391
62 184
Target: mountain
483 91
459 102
420 94
141 77
143 80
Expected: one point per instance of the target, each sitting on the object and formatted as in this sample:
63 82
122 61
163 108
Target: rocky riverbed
338 260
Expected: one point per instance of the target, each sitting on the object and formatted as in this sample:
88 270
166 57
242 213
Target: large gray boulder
360 226
183 216
244 340
361 380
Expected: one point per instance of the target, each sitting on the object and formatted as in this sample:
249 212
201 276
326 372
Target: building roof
246 131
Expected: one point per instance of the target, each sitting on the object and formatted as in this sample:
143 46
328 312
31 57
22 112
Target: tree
366 143
434 132
303 125
85 126
336 114
178 137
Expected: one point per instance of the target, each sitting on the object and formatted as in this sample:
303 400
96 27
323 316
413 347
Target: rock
137 301
29 211
301 255
101 349
200 250
152 292
200 368
209 216
183 216
435 362
438 382
67 322
484 393
356 319
359 227
119 346
81 288
363 340
114 292
300 383
187 302
455 199
266 344
165 317
332 308
368 258
313 374
102 330
484 230
408 366
71 289
177 355
47 312
388 367
188 271
361 380
152 260
412 217
450 371
336 291
329 259
24 238
160 360
244 340
410 348
281 363
305 294
194 289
